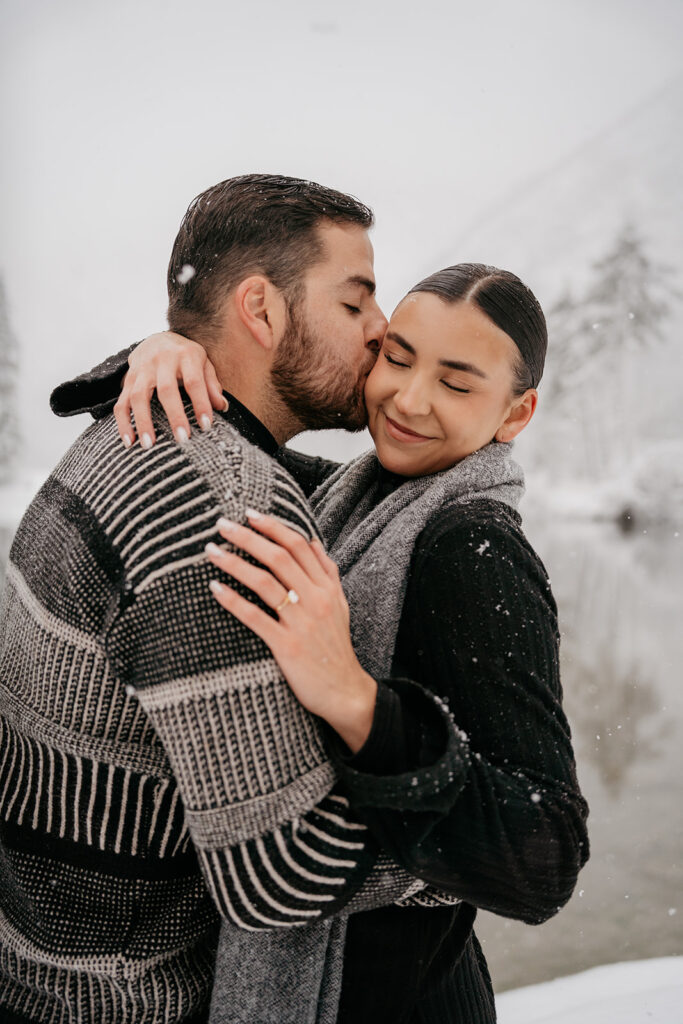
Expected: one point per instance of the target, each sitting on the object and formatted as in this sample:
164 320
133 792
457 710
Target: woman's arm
482 802
165 363
124 383
479 629
95 391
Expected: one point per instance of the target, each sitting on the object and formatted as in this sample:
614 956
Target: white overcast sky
115 114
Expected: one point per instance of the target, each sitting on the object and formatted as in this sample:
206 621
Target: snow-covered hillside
551 232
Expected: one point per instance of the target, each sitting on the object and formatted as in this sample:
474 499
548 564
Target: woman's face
442 386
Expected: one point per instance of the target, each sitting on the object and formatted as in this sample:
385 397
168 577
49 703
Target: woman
442 589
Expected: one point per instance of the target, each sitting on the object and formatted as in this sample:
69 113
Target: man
155 769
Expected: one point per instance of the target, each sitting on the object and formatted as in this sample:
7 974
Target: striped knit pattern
156 771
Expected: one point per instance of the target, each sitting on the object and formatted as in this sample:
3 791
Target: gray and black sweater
156 771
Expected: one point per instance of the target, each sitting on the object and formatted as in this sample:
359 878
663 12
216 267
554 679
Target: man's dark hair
507 302
253 224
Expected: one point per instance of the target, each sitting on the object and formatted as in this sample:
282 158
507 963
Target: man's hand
162 363
310 638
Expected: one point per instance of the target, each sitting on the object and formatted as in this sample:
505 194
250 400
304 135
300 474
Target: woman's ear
261 308
519 414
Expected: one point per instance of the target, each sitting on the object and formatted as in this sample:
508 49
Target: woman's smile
401 433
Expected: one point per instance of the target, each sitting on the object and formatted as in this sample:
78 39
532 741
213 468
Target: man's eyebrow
364 282
452 364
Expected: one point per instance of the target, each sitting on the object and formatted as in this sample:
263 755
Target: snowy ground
640 992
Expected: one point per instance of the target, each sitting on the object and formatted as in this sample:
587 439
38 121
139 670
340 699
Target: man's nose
374 335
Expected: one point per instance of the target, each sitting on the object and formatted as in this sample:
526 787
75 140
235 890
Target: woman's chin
402 465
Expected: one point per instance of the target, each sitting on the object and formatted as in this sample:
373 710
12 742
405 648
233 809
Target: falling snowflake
186 274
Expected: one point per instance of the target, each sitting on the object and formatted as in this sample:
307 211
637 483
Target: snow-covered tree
595 339
9 372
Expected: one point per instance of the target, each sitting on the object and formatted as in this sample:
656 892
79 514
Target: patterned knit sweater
156 771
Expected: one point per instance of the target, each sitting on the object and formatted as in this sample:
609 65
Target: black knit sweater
478 628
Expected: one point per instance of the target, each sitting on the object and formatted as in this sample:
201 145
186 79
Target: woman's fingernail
226 405
205 422
127 440
146 442
215 587
213 549
226 524
251 513
181 435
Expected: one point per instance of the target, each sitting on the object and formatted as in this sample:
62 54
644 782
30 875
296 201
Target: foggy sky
115 115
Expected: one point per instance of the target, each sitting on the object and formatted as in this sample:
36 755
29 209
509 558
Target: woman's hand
310 637
159 363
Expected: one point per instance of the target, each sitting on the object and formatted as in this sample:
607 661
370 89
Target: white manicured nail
205 422
127 440
251 513
226 405
226 524
213 549
181 435
215 587
146 442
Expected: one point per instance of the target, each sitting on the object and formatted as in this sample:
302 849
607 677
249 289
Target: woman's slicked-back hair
252 224
507 302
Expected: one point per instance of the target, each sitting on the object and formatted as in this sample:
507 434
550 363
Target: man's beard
314 383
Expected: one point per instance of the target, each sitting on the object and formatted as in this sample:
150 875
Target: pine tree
593 341
9 373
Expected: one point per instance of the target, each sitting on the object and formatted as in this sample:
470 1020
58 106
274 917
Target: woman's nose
412 399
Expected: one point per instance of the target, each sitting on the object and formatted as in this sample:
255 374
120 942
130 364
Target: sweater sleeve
508 830
95 391
277 840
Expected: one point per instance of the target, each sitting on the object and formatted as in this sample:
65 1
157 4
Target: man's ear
519 414
261 308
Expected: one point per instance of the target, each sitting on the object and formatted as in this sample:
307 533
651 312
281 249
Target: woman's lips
400 433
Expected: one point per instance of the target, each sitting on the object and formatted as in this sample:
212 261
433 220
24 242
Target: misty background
544 138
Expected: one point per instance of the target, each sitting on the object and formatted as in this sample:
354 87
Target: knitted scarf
372 539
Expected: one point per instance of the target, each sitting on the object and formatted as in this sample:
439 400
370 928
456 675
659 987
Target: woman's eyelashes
352 309
451 387
394 362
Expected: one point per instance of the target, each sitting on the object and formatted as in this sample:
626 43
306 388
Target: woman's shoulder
483 533
463 518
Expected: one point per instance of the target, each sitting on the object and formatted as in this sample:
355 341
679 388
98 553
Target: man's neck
256 393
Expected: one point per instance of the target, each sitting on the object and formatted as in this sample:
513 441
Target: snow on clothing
155 768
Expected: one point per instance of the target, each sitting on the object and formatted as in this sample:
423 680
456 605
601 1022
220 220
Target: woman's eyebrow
393 336
452 364
455 364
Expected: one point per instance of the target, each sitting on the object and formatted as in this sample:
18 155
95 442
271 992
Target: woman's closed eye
394 362
454 387
352 309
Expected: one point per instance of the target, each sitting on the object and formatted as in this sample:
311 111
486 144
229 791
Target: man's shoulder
241 476
160 507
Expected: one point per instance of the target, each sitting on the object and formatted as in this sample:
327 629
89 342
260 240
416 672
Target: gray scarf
294 976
